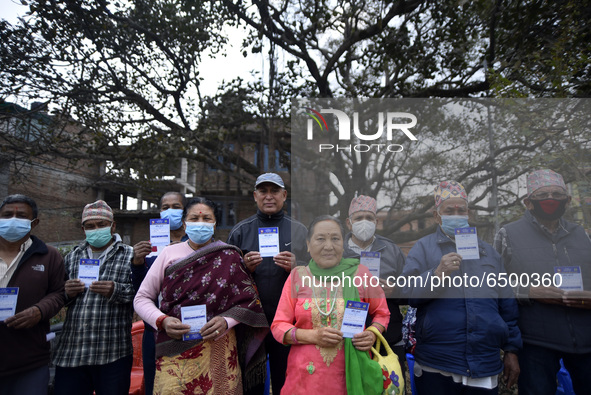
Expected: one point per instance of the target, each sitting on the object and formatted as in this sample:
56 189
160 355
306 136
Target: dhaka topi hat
543 178
363 203
447 190
97 210
270 177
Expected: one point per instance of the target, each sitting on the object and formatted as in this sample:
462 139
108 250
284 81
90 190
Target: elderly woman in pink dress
310 315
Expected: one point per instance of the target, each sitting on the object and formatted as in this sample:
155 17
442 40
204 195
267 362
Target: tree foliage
130 73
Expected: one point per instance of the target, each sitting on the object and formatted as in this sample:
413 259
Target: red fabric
136 386
549 205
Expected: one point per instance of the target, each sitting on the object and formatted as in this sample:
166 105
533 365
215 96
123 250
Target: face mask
174 216
364 230
13 229
549 209
100 237
199 232
449 223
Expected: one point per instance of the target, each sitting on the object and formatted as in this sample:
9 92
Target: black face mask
549 209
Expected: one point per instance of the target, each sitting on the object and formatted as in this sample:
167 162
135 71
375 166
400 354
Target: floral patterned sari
216 277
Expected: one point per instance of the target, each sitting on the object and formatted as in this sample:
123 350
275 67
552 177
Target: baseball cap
270 177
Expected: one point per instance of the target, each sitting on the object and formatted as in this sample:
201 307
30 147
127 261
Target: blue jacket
460 329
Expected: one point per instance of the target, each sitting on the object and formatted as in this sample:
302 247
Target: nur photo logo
388 124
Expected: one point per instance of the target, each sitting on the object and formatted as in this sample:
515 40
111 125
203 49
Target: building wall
60 195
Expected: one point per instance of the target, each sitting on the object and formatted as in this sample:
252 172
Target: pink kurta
311 369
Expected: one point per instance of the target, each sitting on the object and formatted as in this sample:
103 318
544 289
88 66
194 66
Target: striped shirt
97 330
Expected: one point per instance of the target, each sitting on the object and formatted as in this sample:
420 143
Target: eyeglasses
549 195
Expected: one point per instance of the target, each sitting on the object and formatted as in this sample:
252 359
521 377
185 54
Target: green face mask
99 238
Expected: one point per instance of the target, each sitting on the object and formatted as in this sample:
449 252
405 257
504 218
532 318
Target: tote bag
391 371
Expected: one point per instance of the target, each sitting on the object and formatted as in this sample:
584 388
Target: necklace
332 302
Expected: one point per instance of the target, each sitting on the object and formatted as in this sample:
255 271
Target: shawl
363 375
215 276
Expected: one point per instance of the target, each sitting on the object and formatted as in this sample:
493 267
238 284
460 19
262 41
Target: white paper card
196 317
89 271
572 279
159 233
372 261
354 318
8 299
268 241
467 243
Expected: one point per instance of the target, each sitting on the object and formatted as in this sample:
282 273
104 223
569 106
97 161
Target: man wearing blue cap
270 272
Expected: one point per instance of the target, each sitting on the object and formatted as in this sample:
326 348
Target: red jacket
40 276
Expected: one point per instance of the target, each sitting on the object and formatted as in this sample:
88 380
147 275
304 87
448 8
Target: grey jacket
528 248
391 264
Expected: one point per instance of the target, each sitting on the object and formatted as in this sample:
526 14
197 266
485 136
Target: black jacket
268 276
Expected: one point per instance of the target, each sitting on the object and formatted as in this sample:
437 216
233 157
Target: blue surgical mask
449 223
175 217
199 232
100 237
14 229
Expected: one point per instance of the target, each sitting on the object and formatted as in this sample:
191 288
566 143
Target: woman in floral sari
202 271
310 315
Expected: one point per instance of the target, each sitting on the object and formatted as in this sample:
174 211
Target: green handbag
391 370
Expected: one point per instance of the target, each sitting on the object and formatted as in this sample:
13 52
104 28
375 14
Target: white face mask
364 230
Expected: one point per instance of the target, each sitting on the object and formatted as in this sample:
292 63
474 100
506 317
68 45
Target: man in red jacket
37 271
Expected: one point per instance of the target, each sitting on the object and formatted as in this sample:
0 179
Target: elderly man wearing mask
555 323
389 259
460 328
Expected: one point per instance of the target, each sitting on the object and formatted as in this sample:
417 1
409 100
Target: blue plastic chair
565 385
410 360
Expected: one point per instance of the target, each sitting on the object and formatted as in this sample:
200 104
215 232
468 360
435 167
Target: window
278 164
